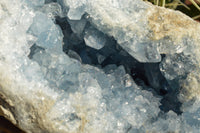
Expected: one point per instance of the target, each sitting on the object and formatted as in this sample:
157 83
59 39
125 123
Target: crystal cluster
98 66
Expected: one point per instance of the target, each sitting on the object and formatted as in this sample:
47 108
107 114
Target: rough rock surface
98 66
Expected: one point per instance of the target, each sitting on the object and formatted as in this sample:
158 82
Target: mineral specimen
98 66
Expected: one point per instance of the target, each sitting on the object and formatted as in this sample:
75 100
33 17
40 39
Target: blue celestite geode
98 66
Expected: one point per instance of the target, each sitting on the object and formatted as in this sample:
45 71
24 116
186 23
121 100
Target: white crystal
48 35
94 38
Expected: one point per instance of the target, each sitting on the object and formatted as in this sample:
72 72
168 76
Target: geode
98 66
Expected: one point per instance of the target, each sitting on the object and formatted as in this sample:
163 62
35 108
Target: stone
110 82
